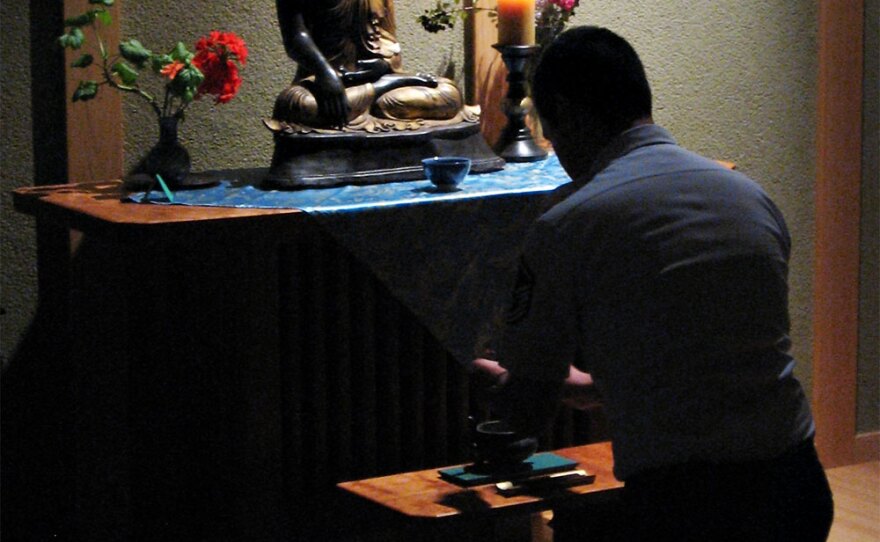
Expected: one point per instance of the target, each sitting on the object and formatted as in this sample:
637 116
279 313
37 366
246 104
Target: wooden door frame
95 135
836 263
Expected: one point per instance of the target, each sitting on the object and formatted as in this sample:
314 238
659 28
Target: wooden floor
856 491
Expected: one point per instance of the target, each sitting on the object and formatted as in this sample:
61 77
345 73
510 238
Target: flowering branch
550 16
444 14
212 69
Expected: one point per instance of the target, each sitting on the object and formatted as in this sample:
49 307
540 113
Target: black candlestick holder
517 143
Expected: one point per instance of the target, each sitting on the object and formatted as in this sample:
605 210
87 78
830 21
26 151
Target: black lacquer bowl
498 447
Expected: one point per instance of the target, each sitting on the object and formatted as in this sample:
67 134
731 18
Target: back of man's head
595 72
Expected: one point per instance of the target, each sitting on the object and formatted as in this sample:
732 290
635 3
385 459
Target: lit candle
516 22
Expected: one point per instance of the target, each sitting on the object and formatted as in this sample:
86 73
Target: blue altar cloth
449 257
515 178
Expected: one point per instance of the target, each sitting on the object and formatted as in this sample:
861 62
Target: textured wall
736 81
18 245
732 79
232 135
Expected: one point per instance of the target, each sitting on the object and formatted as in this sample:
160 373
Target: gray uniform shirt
665 277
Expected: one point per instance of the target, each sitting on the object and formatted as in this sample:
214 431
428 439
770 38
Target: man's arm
540 338
529 405
578 390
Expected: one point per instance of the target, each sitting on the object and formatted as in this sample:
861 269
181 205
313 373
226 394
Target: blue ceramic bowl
446 172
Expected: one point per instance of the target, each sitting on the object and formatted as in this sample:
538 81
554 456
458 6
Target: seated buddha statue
352 114
349 73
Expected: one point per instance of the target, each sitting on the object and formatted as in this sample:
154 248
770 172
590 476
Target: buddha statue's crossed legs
392 96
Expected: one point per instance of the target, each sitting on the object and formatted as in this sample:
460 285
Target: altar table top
240 189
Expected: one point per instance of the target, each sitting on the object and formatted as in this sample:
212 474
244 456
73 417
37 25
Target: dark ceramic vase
168 157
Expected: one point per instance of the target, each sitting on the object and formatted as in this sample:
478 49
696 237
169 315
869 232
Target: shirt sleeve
539 341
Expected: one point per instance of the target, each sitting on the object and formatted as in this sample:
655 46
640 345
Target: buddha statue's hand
426 80
333 106
366 71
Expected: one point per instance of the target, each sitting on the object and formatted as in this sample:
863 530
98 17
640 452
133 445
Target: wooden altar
220 370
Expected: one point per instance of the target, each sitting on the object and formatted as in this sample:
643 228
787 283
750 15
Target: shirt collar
639 136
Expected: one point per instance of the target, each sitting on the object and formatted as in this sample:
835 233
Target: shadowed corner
467 502
549 492
435 190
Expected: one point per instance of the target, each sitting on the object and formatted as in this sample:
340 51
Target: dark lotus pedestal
317 160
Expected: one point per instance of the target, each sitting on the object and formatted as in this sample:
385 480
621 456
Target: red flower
170 70
221 80
214 57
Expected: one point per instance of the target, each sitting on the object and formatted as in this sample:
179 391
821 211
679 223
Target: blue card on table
543 463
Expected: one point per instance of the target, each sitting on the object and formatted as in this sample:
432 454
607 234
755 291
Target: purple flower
564 5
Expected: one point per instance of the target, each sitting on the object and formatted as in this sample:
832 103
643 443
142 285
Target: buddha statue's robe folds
350 83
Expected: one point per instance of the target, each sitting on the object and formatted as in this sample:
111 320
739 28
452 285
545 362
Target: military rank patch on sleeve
521 299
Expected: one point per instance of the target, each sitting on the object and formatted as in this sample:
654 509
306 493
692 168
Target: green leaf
157 62
126 73
186 83
104 16
181 53
83 61
189 77
80 20
86 90
75 38
102 2
134 52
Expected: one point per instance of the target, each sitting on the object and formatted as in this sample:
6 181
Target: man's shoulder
656 161
647 172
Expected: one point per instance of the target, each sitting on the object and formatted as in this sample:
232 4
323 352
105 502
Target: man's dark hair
597 71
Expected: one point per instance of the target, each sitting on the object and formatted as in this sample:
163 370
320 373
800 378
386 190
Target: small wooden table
427 501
